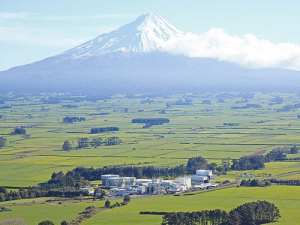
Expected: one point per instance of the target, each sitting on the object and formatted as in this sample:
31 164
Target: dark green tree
2 142
96 142
126 199
67 146
21 131
294 150
83 143
3 190
46 222
113 141
64 223
107 204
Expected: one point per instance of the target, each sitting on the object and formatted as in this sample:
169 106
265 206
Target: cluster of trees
196 163
231 124
66 192
187 101
286 182
249 163
2 142
73 119
90 174
256 162
288 108
259 212
95 142
255 183
70 179
51 100
147 101
294 150
208 102
103 129
85 142
19 130
275 156
38 192
247 106
277 100
48 222
21 194
287 149
154 121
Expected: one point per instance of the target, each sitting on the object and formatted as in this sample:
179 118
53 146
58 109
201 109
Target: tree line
38 192
73 119
255 183
91 174
287 149
256 162
286 182
95 142
251 213
103 129
151 121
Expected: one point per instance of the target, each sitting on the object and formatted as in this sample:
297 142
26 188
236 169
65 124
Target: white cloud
21 15
103 16
38 37
27 15
247 51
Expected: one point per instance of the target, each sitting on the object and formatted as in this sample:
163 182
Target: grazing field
54 212
286 198
194 130
214 131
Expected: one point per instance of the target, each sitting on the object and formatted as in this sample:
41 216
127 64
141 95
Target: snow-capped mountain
147 33
132 59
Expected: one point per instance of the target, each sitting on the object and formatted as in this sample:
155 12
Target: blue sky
35 29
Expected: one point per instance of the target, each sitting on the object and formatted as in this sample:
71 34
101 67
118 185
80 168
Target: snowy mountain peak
147 33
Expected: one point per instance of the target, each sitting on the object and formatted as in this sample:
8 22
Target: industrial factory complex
121 186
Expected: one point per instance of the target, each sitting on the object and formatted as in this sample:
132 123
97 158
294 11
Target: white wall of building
203 172
184 181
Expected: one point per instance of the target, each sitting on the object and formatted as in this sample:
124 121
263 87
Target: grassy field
287 199
194 130
54 212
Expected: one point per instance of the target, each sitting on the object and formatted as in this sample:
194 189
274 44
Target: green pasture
54 212
286 198
194 130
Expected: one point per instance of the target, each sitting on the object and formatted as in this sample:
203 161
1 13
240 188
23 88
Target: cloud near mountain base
248 51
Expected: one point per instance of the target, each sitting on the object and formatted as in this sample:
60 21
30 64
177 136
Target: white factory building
202 175
116 181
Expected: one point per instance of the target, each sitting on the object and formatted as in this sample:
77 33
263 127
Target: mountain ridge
148 33
140 68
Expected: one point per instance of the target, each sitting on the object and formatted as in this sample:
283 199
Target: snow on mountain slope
147 33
